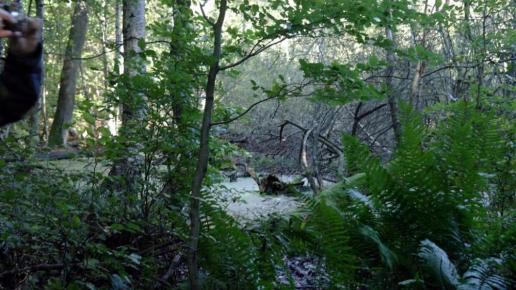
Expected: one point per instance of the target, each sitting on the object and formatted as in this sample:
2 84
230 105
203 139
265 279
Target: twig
204 14
243 113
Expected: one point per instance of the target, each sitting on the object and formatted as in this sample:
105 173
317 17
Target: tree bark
420 67
35 116
129 165
204 151
133 32
392 99
307 163
118 67
66 101
118 37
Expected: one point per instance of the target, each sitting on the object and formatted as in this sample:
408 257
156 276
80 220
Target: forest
258 144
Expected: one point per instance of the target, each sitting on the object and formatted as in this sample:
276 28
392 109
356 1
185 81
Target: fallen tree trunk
271 184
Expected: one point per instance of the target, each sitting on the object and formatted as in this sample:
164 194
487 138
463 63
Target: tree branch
253 53
243 113
204 14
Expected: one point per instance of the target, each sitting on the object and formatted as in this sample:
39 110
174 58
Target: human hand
27 36
24 34
6 21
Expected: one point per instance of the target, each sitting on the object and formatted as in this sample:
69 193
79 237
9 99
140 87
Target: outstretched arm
20 81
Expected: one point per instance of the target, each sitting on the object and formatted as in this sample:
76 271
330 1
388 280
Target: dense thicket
405 107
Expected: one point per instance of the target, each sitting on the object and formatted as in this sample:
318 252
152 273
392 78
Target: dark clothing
20 85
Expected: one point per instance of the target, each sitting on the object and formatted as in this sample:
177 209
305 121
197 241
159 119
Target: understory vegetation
396 119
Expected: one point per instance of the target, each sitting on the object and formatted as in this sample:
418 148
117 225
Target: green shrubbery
438 215
428 218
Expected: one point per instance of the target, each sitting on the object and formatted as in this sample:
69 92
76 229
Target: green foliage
431 190
438 263
339 84
483 274
332 239
235 258
439 214
54 235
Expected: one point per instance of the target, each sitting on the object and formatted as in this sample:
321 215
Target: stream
243 201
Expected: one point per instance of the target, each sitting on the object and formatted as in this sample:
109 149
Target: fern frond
388 257
437 262
482 275
333 241
231 255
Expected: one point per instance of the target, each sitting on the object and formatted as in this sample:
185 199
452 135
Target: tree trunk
104 32
415 94
133 107
392 99
133 32
66 101
118 68
310 170
118 37
204 151
35 115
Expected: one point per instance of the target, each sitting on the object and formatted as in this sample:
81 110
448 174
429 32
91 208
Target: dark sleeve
20 85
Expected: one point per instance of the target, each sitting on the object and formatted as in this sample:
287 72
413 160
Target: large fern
484 275
369 227
433 186
481 275
234 257
437 262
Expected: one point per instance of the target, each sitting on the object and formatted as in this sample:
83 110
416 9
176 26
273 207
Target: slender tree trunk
481 59
356 119
118 37
66 101
105 63
118 68
133 32
415 95
459 84
392 99
204 151
40 12
308 163
133 107
35 116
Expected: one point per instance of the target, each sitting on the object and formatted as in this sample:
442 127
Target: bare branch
243 113
254 52
201 5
